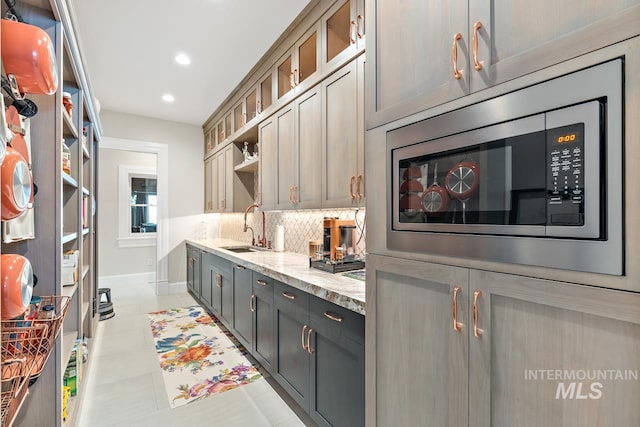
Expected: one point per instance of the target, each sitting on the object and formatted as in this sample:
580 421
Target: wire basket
25 348
18 342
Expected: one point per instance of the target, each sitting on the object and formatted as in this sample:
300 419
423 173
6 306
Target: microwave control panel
565 175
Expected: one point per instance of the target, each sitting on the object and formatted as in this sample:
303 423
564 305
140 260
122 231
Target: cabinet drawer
336 322
291 299
263 285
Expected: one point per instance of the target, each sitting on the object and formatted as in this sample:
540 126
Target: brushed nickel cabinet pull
333 317
287 295
477 332
310 349
261 282
251 305
304 346
454 55
218 280
241 267
477 65
454 309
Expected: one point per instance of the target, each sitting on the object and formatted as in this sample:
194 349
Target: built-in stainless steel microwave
530 177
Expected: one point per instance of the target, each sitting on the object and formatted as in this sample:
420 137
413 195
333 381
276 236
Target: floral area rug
197 357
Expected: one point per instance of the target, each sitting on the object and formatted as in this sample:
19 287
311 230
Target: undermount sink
238 249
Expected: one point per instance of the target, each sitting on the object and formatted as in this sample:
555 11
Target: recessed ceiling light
167 97
182 59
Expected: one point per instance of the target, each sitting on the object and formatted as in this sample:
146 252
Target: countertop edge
351 303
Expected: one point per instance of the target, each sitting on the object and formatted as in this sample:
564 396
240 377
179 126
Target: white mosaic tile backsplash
299 226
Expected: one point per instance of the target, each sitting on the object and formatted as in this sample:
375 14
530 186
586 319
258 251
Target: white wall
116 261
186 176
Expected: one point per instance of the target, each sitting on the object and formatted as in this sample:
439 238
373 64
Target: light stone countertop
292 269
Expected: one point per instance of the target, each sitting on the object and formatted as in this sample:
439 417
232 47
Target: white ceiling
129 49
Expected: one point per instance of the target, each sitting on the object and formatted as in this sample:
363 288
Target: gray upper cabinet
417 368
427 53
343 137
299 67
529 327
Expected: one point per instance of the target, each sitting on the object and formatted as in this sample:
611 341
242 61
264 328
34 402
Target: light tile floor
125 386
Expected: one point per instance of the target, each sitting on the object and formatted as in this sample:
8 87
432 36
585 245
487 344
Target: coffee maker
338 238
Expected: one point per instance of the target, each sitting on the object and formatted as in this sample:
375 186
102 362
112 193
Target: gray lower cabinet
193 270
320 356
262 320
242 305
291 323
217 286
336 345
449 346
225 284
207 271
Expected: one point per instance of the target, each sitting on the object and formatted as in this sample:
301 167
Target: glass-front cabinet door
251 105
299 64
228 129
238 117
343 32
221 136
266 92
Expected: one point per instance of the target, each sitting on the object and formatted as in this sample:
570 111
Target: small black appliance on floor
106 307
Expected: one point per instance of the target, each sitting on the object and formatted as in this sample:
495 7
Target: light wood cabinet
208 185
343 33
265 91
343 136
296 67
298 136
519 356
417 372
267 143
424 54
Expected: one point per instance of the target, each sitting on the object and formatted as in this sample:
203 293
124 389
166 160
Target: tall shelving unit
64 207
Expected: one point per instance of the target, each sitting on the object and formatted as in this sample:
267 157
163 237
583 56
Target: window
137 206
144 204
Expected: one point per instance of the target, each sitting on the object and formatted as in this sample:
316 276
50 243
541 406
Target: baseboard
127 279
162 287
177 288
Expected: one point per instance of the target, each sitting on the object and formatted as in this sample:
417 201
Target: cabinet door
266 92
340 134
285 159
307 193
537 339
208 193
336 344
251 105
242 305
417 371
190 275
307 55
267 140
227 201
291 326
226 304
360 132
343 33
411 57
284 74
208 271
216 290
263 338
220 172
214 184
197 289
511 45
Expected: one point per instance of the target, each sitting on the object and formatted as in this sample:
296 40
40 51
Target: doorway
133 201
